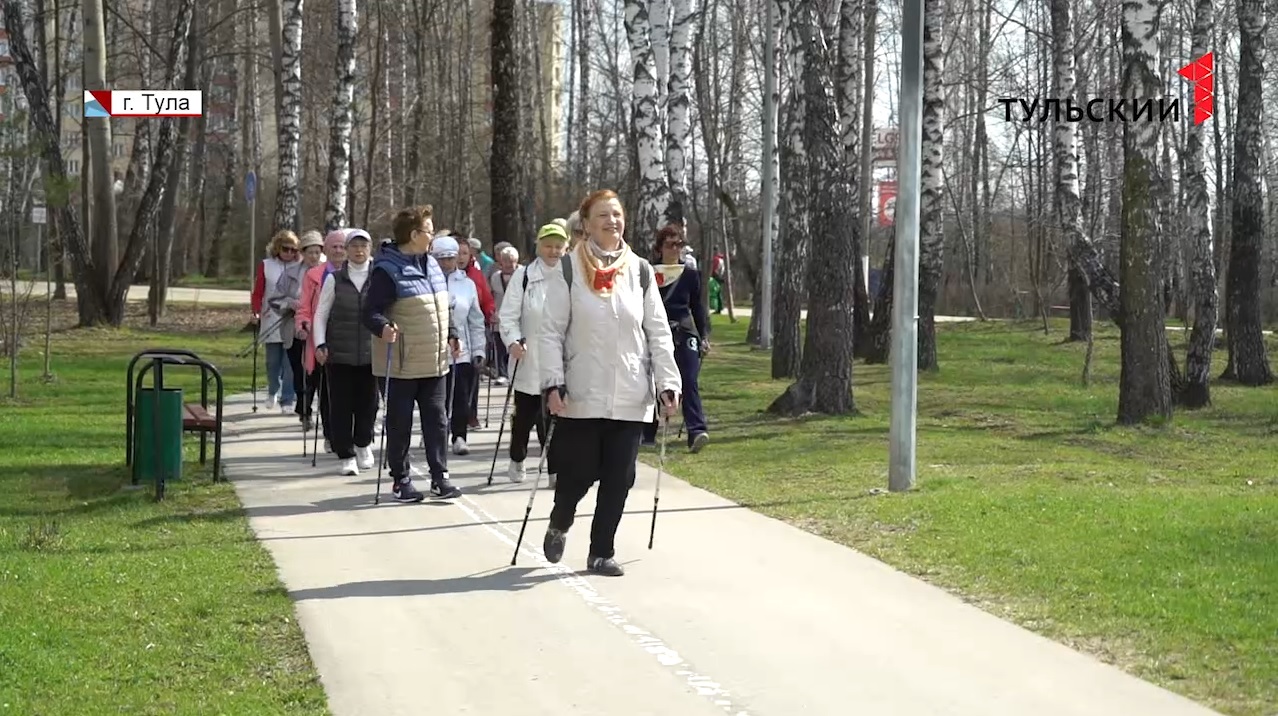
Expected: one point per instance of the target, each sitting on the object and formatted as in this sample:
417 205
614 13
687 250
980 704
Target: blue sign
250 186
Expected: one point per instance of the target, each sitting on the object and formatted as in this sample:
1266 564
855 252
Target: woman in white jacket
604 356
467 320
520 322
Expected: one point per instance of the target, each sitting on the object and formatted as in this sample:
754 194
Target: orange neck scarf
599 278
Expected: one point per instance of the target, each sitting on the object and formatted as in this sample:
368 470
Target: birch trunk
1069 207
1247 354
791 259
646 125
289 120
1144 388
341 123
1197 391
848 85
679 108
931 204
504 160
239 138
106 250
825 374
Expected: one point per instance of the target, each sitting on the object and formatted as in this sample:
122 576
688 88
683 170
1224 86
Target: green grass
111 603
1153 548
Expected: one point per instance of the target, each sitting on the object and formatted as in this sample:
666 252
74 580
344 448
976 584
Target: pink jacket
311 284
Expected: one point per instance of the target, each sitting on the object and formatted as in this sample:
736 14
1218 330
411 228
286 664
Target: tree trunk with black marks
1247 354
1144 388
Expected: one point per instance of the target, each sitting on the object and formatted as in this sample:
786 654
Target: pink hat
338 235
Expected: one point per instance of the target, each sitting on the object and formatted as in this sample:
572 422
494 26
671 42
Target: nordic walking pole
661 465
501 428
488 402
319 414
532 494
381 450
255 345
301 400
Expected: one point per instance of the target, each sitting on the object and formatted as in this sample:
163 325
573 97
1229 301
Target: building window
73 167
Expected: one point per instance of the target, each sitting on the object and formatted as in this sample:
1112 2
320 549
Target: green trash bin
170 433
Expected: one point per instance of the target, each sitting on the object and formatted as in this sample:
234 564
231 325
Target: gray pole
252 258
769 181
905 287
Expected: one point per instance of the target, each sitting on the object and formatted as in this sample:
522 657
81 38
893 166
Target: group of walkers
596 343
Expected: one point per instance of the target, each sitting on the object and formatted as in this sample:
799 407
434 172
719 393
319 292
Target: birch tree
791 258
1069 205
931 203
825 372
679 108
1144 388
105 239
1196 392
1248 362
654 190
289 117
339 147
504 158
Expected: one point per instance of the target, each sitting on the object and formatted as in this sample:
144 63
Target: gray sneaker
553 544
606 566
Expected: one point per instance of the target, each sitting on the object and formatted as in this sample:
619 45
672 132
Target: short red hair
593 198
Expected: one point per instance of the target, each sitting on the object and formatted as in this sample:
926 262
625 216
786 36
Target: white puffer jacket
520 319
466 317
613 354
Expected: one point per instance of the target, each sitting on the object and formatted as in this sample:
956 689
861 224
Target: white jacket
520 318
465 316
612 354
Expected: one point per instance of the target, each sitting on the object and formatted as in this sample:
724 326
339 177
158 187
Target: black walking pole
318 423
301 400
255 345
381 458
501 428
532 494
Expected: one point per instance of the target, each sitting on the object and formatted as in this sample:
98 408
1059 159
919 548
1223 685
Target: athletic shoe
364 456
516 472
307 423
349 468
405 492
698 441
328 446
443 489
460 447
606 566
553 544
272 402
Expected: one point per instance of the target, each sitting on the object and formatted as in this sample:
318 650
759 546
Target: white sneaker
516 471
460 447
272 402
328 446
349 467
364 457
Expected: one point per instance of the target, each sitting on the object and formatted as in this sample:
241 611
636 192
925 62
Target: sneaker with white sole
272 402
516 472
349 468
328 447
364 457
460 447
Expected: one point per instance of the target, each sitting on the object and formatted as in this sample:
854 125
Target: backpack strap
526 278
645 275
566 263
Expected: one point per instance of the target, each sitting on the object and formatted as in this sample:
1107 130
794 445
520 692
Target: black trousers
353 409
428 395
314 383
528 415
463 386
589 451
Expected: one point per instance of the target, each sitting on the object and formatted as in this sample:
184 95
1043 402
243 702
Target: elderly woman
604 355
680 286
345 355
519 319
312 280
467 320
281 254
286 301
499 283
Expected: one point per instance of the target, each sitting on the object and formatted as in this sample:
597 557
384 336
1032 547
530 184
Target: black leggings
528 415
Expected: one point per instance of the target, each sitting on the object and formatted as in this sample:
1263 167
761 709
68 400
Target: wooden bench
197 419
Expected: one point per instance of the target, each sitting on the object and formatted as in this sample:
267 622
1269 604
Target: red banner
887 202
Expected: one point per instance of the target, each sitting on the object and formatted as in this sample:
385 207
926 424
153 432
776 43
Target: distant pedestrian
468 325
282 252
499 283
345 355
286 301
680 286
335 255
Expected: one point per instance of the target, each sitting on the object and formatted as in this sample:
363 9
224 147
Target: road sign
38 215
250 186
886 143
